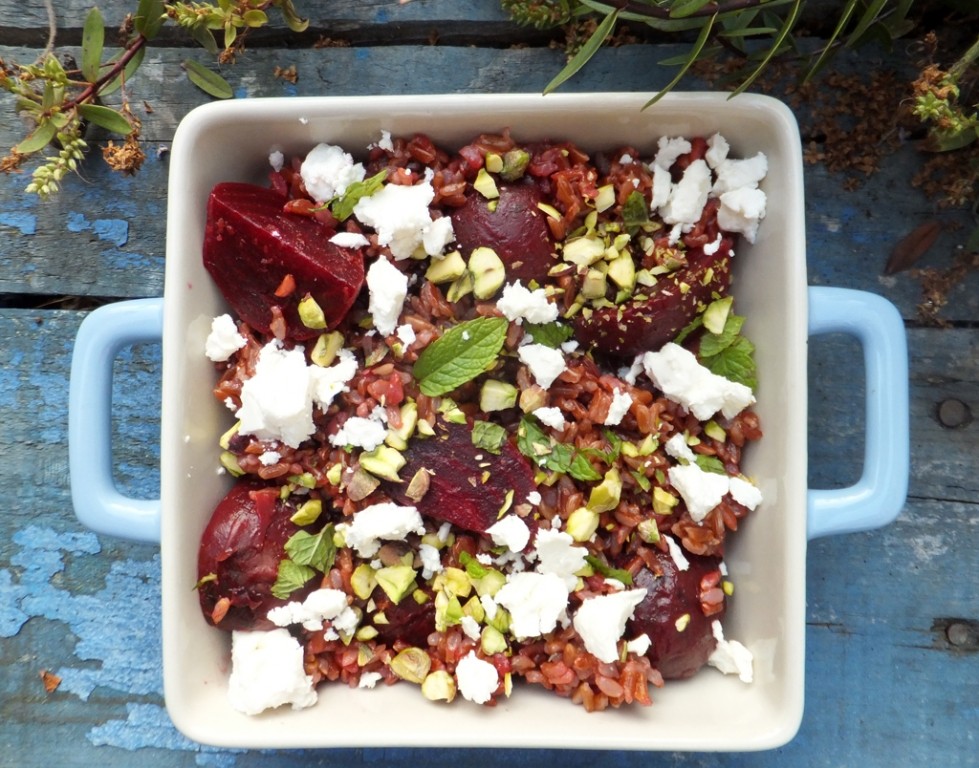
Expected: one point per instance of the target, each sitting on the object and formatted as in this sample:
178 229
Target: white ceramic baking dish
231 141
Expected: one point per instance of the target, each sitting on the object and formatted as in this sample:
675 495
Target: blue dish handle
101 336
878 497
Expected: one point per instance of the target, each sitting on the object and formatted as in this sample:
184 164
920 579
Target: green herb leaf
314 550
634 211
684 8
205 38
488 436
127 72
736 362
93 40
460 355
293 20
149 18
38 140
106 118
710 464
608 571
551 335
641 480
342 207
473 567
291 576
584 54
538 446
693 55
714 343
210 82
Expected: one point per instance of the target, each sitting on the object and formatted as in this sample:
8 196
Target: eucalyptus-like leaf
828 47
255 18
869 17
93 41
783 34
205 38
49 97
293 20
735 34
210 82
684 8
230 35
149 18
584 54
38 140
127 73
107 118
692 57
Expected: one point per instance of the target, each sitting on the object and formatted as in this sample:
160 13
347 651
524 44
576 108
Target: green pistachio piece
326 347
715 316
361 485
396 581
225 439
663 501
488 272
605 198
398 438
311 313
486 185
308 512
230 462
492 641
648 531
363 581
383 462
439 686
582 524
450 267
497 395
412 664
515 163
605 496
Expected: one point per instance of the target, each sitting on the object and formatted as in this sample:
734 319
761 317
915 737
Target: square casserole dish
231 142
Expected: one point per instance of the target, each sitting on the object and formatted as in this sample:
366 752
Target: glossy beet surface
468 485
672 594
511 225
260 258
648 322
239 556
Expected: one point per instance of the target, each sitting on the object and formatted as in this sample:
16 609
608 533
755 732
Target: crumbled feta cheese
639 645
714 246
688 196
327 171
329 382
489 605
405 334
277 402
534 498
536 602
677 447
478 679
470 627
741 211
625 159
386 520
388 287
662 184
223 340
730 656
676 554
385 142
745 493
545 363
550 416
276 160
669 150
518 303
360 432
701 491
717 149
268 458
267 672
510 532
319 606
630 374
678 374
400 215
437 235
349 240
369 679
557 554
431 560
621 403
738 174
601 620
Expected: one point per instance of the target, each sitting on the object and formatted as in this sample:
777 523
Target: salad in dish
489 410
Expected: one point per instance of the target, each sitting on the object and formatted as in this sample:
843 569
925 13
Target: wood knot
953 413
957 634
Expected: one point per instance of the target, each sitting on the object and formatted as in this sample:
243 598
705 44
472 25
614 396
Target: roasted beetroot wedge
647 322
239 556
513 226
261 258
468 486
677 613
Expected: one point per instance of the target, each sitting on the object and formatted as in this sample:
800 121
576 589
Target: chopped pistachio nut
663 501
486 185
605 198
383 462
605 496
493 162
550 210
225 439
453 581
363 581
308 512
490 583
715 431
715 316
582 524
492 641
326 348
396 581
418 485
682 622
584 251
412 664
398 438
230 462
488 272
311 313
366 633
305 480
474 608
447 269
334 474
595 284
361 485
648 531
460 287
497 395
532 398
515 163
728 587
448 611
439 686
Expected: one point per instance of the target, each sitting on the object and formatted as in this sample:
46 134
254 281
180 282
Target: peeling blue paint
241 92
25 222
362 54
115 231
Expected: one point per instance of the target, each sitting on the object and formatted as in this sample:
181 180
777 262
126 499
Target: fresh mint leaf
608 571
710 464
473 567
735 362
460 355
537 446
343 206
291 576
634 211
488 436
690 327
551 335
314 550
714 343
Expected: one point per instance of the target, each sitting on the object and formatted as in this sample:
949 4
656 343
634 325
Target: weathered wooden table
893 615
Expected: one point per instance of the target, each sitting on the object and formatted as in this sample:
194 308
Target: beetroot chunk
239 557
467 485
644 324
261 257
680 646
515 228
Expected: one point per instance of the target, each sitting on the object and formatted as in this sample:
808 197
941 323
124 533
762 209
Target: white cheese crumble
545 363
557 554
319 606
387 520
329 382
267 672
601 620
369 679
621 403
536 602
470 627
478 679
701 491
688 196
268 458
736 174
745 493
223 340
730 656
714 245
510 532
327 171
678 374
405 334
519 303
388 287
400 215
670 148
741 211
431 560
349 240
717 149
550 416
385 142
676 554
662 184
639 645
677 447
276 160
361 432
534 498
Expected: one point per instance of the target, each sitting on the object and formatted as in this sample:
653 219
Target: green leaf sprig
460 355
546 452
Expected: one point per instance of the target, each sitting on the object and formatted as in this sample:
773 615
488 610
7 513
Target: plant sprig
61 100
